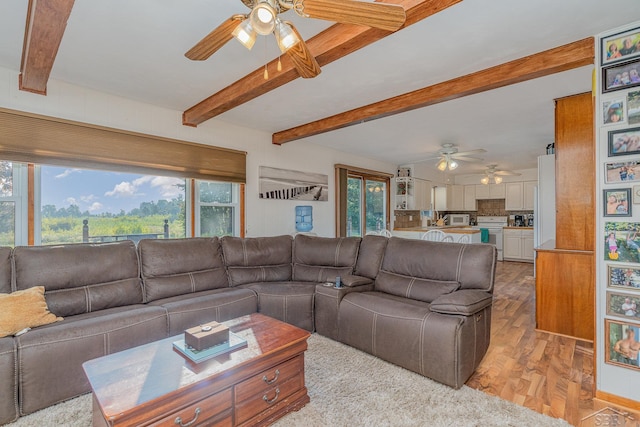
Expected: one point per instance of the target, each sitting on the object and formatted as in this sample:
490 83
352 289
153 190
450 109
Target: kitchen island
455 231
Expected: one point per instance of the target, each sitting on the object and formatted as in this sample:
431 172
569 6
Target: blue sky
100 191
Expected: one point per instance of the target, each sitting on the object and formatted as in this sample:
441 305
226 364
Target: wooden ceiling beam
335 42
46 22
562 58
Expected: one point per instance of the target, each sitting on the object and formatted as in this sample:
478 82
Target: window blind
32 138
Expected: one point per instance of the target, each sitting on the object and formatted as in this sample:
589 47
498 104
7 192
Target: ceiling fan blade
468 159
378 15
302 58
469 152
215 39
507 173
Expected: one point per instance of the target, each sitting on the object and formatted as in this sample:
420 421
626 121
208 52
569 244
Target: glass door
366 205
12 202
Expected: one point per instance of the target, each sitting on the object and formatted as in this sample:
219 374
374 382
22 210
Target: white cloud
66 173
167 186
71 201
124 189
95 206
88 199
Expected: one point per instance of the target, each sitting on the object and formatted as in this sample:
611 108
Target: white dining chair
433 235
447 239
464 239
371 233
385 233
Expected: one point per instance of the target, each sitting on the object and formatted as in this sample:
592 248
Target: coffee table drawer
269 378
196 413
268 399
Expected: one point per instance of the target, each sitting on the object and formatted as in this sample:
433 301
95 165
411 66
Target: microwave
459 219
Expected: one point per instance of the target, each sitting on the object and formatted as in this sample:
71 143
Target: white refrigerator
544 220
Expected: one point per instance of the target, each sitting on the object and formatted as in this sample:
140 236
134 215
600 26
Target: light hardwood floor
548 373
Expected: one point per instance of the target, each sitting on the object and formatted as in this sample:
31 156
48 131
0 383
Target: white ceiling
136 49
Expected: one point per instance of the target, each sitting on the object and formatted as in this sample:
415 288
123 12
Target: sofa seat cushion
416 288
24 309
321 259
407 333
291 302
51 357
180 266
81 278
186 311
257 259
8 381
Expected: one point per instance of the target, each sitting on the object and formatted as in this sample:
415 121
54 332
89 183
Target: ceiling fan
264 19
449 156
492 173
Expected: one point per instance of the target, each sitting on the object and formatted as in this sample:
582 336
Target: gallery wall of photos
617 98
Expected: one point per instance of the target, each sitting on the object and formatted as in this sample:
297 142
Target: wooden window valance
32 138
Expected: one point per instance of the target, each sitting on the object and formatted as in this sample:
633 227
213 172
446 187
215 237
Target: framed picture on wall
617 202
613 112
615 172
633 107
622 241
621 76
623 305
624 142
622 344
621 46
624 277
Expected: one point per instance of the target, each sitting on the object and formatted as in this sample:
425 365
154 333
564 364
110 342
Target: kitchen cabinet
528 188
518 244
413 193
470 198
519 195
456 202
513 198
490 191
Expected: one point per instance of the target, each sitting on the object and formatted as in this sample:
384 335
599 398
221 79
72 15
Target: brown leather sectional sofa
422 305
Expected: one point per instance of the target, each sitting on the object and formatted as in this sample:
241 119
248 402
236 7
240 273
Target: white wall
263 217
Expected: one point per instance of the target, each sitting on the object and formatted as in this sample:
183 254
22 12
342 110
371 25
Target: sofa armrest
351 281
466 302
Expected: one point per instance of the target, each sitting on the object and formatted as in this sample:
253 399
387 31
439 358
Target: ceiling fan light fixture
485 180
245 34
442 165
497 179
452 164
285 36
263 18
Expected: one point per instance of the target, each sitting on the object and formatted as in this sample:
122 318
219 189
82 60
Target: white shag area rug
351 388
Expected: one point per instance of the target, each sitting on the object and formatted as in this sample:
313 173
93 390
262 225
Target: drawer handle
275 377
179 420
266 399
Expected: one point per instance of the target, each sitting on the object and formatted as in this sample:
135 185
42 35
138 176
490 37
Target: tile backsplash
406 219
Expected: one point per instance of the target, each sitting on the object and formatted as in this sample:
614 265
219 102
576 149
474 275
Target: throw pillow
24 309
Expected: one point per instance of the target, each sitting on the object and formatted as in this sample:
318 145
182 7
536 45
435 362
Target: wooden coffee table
153 384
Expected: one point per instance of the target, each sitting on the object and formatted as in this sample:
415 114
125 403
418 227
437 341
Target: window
13 202
217 209
82 205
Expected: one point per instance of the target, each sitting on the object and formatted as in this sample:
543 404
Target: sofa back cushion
370 256
173 267
257 259
424 270
81 278
321 259
5 270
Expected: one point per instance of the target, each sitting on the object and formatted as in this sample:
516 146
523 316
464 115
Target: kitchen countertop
511 227
453 229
